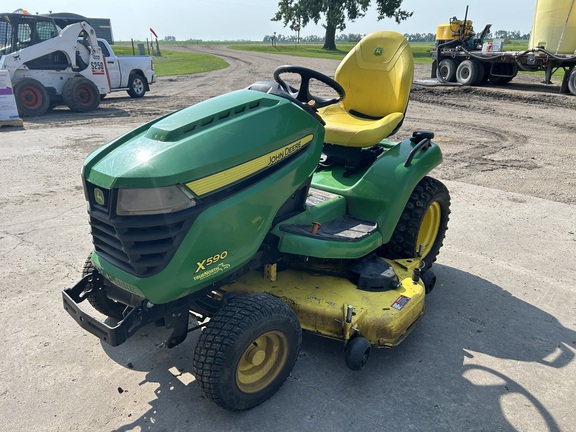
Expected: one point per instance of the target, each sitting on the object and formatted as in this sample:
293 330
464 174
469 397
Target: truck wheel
81 95
572 82
247 351
480 76
31 97
467 72
99 300
447 70
136 86
424 221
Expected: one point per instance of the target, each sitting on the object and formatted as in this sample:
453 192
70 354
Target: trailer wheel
480 76
447 70
467 72
99 300
247 351
424 221
136 86
31 97
572 82
81 95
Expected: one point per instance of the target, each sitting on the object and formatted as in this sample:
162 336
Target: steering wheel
303 93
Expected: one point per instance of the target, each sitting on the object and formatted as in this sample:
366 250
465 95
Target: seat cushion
377 77
348 130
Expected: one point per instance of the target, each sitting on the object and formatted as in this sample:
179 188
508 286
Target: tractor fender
392 182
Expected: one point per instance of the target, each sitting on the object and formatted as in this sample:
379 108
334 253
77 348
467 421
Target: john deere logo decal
99 196
378 51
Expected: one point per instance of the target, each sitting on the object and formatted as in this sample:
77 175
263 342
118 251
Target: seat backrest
377 75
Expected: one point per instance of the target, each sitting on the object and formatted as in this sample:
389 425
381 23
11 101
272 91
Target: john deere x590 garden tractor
263 212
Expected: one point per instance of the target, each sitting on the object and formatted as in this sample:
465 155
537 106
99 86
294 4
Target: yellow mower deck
334 307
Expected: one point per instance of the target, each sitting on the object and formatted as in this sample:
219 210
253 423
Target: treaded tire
429 200
572 82
80 94
467 72
447 70
247 351
32 98
481 75
99 300
136 86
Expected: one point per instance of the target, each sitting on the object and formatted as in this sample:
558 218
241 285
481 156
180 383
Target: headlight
151 201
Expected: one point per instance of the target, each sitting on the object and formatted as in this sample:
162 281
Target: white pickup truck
131 73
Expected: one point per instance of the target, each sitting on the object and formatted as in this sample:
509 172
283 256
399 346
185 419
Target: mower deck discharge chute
269 210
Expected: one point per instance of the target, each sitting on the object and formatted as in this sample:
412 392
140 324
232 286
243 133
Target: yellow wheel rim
262 362
429 228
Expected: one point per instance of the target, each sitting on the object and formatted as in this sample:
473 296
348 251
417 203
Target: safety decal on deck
400 302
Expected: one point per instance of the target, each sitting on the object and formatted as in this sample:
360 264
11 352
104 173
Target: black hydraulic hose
549 54
522 54
496 57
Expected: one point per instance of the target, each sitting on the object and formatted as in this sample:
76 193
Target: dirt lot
516 138
495 351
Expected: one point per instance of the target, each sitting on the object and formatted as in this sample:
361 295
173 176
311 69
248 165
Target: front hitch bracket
173 315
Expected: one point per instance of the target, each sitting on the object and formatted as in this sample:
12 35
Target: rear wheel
447 70
247 351
98 298
136 86
424 221
572 82
480 76
31 97
467 72
81 95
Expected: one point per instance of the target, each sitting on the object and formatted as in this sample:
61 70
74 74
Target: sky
212 20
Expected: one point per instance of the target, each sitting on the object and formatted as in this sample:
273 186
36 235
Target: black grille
140 245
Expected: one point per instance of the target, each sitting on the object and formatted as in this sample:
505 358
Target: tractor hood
196 142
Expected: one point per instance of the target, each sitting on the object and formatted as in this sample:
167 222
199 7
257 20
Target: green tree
336 12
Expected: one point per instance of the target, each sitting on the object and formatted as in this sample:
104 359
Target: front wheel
423 224
447 70
247 351
357 353
31 96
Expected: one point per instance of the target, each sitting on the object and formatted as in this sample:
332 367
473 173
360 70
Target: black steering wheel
303 93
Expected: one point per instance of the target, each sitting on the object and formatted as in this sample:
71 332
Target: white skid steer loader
49 65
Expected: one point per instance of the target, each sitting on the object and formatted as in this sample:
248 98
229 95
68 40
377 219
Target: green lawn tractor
264 212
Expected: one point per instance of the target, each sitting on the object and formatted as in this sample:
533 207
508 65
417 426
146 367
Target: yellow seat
377 75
